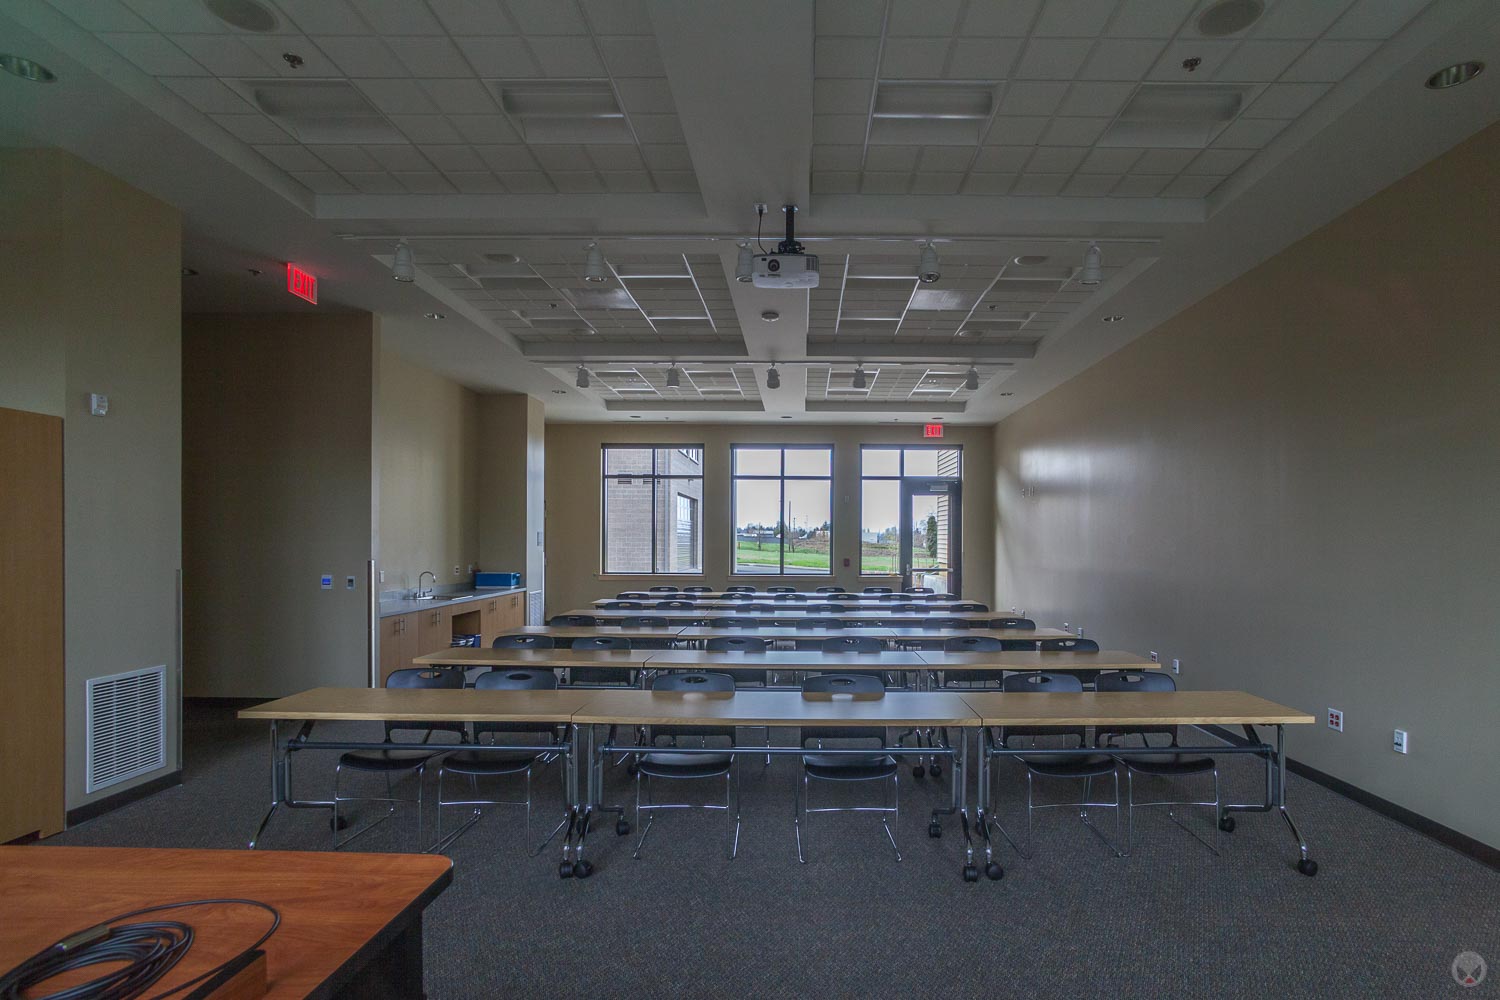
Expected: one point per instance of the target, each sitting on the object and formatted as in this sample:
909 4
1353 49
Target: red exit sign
932 430
303 284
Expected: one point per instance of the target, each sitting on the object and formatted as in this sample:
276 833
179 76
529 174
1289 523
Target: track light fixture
594 269
860 380
744 269
403 266
1093 266
773 378
674 377
927 266
971 380
582 381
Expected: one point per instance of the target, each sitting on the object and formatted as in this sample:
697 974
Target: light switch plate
349 583
1400 742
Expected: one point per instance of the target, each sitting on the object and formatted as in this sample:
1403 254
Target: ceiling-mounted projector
788 267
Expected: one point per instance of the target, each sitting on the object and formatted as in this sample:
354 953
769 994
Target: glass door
931 553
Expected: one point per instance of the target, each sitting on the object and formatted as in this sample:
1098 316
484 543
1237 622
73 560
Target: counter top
407 606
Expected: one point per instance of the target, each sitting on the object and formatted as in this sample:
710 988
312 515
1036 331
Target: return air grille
126 726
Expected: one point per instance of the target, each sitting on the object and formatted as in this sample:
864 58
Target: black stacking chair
602 642
1070 767
676 606
889 596
852 644
908 608
769 609
390 762
664 590
968 606
623 606
878 590
875 766
697 590
972 644
813 621
737 595
1069 646
826 609
647 621
737 644
664 764
477 764
944 597
635 595
946 623
830 590
1012 623
734 622
523 642
789 596
739 590
781 590
573 620
919 590
1175 765
601 676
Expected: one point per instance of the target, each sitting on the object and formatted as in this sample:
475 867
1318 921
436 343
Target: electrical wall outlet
1067 627
1399 741
1155 658
1176 666
458 571
1336 719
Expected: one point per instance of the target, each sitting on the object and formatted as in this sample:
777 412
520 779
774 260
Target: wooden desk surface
790 611
332 904
1134 708
545 658
582 631
704 602
1025 634
774 708
420 704
758 596
801 659
1105 659
783 632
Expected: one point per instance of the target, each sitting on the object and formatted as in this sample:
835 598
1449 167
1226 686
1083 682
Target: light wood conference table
1105 659
351 924
1193 709
668 631
546 659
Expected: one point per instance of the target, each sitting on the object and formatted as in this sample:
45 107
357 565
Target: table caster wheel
630 769
936 770
971 873
994 872
934 829
918 771
583 869
1308 867
340 824
565 869
1227 824
622 827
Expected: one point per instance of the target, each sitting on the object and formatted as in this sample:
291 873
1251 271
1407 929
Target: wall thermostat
98 404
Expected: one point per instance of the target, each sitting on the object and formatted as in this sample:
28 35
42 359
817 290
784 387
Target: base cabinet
398 644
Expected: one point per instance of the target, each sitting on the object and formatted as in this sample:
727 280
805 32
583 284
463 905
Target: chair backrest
523 642
877 590
663 590
967 606
852 644
573 620
693 680
644 621
784 595
1134 680
697 590
945 597
767 608
843 684
830 590
972 644
633 595
516 679
675 605
1041 682
919 590
737 644
739 590
814 622
1012 623
906 607
781 590
738 595
602 642
1018 645
826 609
1071 646
948 623
733 622
622 606
888 596
423 678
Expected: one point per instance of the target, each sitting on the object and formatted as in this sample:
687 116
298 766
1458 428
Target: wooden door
31 643
489 620
434 631
398 644
513 610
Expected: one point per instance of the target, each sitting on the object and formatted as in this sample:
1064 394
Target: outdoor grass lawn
872 560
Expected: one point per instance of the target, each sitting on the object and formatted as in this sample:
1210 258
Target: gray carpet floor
1385 916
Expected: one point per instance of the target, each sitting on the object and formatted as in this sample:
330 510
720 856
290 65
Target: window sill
649 576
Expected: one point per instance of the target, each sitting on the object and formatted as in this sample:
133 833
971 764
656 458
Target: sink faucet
420 591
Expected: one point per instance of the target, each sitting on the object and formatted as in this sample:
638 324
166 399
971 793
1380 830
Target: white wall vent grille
125 725
534 607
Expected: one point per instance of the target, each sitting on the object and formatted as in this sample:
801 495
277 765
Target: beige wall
573 498
1292 487
512 487
278 469
90 283
429 462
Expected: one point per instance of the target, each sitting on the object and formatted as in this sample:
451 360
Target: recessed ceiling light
246 15
1114 318
786 416
188 272
26 69
770 315
1452 76
435 315
1229 17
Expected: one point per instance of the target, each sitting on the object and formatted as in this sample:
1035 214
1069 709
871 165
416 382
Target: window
881 470
651 499
783 510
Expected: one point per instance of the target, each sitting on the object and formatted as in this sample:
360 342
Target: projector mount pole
790 244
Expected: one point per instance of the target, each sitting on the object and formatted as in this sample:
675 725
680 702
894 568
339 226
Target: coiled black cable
149 949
